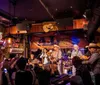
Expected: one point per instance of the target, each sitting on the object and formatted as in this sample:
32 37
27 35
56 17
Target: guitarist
44 56
75 52
56 57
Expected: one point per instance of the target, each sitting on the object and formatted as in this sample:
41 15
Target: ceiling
35 11
42 10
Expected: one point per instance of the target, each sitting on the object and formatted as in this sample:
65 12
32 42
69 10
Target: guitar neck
40 47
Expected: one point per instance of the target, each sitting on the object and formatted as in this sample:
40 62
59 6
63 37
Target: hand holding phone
5 70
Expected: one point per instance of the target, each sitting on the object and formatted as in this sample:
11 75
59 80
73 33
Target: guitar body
46 28
49 27
84 57
53 68
53 60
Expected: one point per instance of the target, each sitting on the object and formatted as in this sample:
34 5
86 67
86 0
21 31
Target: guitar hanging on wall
49 27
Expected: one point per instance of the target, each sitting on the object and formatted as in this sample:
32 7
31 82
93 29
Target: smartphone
5 70
69 72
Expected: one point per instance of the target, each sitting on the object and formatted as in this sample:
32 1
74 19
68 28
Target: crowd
30 71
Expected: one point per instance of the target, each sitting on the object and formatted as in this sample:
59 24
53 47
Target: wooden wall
34 29
77 24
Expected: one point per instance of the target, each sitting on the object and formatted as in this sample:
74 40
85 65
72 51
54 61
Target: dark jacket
23 78
84 73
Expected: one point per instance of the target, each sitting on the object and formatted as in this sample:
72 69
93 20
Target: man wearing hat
94 61
57 55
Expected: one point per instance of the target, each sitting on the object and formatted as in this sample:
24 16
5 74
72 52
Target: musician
57 55
36 49
94 61
75 52
32 60
32 57
44 56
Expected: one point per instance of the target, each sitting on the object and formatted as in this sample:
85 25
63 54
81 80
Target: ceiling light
71 6
56 9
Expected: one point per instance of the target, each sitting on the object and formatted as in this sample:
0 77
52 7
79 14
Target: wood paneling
77 24
35 28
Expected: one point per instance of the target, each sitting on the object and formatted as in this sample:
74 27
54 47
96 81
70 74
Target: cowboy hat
93 45
56 46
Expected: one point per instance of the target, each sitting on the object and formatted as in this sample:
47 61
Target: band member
57 55
32 57
94 61
44 56
32 60
75 52
36 49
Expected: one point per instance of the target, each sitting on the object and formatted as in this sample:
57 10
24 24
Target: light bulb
9 40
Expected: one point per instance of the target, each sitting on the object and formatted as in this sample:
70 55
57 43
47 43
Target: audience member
6 73
22 77
82 71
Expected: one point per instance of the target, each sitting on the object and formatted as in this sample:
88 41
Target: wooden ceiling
43 10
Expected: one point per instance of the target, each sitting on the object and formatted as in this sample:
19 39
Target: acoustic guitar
49 27
84 57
